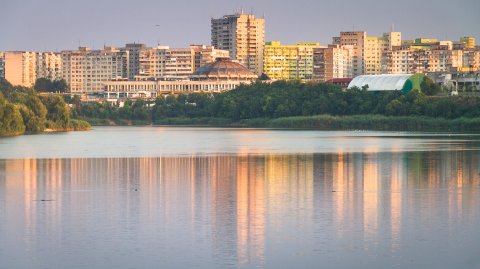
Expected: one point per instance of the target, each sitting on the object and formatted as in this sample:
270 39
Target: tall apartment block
368 50
334 61
167 63
376 47
357 40
134 51
289 62
86 70
20 68
243 36
49 65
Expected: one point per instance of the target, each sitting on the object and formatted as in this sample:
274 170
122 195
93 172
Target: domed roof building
223 69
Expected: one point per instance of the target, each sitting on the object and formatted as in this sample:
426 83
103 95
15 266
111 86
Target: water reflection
236 210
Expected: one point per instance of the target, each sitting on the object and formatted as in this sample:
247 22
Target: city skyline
119 22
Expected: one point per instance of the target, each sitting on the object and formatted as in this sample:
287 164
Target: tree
11 122
430 88
60 86
58 114
46 85
43 85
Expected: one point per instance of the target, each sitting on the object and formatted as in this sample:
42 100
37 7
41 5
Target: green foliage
429 87
79 125
58 113
11 122
46 85
260 103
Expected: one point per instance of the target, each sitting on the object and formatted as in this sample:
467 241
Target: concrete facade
86 70
332 62
49 65
289 62
168 63
243 36
20 68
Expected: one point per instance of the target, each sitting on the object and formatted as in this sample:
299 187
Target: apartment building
375 48
243 36
134 51
2 65
357 40
49 65
471 60
86 70
408 59
289 62
334 61
20 68
167 63
469 42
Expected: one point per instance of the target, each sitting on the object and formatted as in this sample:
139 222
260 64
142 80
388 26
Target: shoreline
318 122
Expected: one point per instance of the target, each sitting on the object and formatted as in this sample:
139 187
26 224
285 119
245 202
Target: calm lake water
164 197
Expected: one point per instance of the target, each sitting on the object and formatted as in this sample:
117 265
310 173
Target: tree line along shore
260 105
24 111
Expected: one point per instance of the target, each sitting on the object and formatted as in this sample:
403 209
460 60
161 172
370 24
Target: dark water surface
158 197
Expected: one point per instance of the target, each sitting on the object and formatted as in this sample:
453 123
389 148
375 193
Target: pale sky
55 25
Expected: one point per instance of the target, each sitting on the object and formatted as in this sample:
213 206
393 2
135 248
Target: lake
183 197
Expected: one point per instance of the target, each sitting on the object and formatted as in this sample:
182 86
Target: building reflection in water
239 206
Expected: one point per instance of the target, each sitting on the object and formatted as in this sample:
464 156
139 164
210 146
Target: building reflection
239 202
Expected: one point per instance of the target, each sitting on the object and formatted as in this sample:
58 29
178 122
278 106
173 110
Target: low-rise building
389 82
222 75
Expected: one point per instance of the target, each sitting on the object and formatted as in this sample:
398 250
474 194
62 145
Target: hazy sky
64 24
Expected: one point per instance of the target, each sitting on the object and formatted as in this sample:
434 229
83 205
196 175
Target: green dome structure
390 82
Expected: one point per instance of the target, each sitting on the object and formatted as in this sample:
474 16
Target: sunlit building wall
469 41
20 68
168 63
335 61
375 48
134 50
49 65
243 35
289 62
86 70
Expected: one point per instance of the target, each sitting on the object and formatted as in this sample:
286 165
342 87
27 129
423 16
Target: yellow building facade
289 62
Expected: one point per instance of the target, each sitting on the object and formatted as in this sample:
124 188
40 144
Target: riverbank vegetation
296 105
24 111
